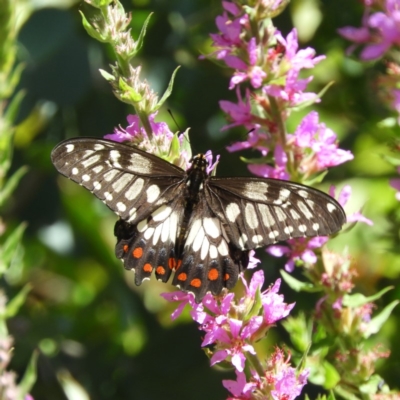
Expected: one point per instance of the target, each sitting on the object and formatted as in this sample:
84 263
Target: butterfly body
198 226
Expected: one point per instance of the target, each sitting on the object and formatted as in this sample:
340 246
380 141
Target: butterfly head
199 163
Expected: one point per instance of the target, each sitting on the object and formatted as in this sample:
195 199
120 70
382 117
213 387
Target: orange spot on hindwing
182 277
160 270
226 277
213 274
173 264
138 252
196 282
125 248
147 268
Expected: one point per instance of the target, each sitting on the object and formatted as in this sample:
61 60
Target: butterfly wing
129 181
257 212
209 261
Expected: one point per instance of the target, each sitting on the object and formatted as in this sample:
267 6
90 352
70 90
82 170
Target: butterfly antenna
173 119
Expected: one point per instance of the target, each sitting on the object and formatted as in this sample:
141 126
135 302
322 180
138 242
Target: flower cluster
379 37
161 143
380 29
232 326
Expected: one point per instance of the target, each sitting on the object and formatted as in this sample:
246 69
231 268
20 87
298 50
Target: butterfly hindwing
209 261
258 212
150 244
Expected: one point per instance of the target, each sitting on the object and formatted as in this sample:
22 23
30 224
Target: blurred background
94 328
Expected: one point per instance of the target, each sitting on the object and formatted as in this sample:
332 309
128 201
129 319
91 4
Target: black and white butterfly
199 226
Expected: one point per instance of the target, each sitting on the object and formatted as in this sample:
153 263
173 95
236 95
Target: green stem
144 119
255 363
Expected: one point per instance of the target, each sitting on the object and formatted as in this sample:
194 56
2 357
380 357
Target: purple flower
343 198
183 298
318 145
274 306
239 388
211 166
381 30
292 91
253 72
240 113
297 250
277 172
235 341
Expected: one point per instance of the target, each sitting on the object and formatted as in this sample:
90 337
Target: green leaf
376 323
29 378
297 285
73 390
10 247
358 299
332 376
106 75
168 92
92 31
17 301
13 106
186 143
371 387
139 42
11 184
128 93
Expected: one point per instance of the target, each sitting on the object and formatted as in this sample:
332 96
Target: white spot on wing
98 169
280 214
213 251
204 248
70 147
121 206
212 227
193 232
157 234
165 234
91 160
86 178
98 147
232 211
148 233
223 248
161 213
315 226
135 189
251 216
304 209
303 193
267 217
121 182
75 171
139 164
257 239
110 175
108 196
243 240
256 190
142 226
331 208
198 241
302 228
152 193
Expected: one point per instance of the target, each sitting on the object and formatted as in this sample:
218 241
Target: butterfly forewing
258 212
129 181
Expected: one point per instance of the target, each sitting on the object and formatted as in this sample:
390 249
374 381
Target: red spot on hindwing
138 252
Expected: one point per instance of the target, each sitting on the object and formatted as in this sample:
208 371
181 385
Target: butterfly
200 227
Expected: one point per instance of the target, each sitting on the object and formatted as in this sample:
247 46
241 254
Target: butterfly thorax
196 175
